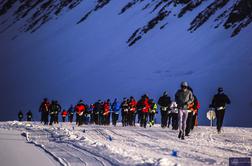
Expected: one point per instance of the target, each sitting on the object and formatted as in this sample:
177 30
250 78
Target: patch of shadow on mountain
240 16
129 5
189 7
38 15
138 34
203 16
100 4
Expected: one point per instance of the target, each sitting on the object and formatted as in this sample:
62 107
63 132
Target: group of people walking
181 114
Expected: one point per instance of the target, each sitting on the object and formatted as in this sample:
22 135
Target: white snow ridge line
61 161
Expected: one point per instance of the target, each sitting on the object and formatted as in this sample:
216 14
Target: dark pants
143 122
164 118
131 118
125 118
114 118
139 116
45 117
220 116
106 119
151 118
63 119
57 118
134 119
79 119
70 118
169 118
174 121
96 118
189 123
52 118
100 118
193 121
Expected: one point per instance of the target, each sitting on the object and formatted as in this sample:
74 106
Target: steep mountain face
72 49
238 16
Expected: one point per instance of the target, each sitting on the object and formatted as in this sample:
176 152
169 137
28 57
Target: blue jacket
116 107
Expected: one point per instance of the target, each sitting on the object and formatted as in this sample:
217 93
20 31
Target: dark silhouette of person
29 116
219 102
20 116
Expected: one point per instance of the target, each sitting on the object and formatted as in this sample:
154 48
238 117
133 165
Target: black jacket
220 100
164 101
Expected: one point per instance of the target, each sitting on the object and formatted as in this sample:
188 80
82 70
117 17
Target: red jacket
80 108
106 108
146 106
64 113
133 105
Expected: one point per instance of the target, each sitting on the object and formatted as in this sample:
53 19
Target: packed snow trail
109 145
15 151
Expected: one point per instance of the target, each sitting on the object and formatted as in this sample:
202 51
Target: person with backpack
152 112
20 116
80 109
145 110
64 115
164 102
54 111
86 115
139 110
70 113
132 111
96 112
90 117
125 112
115 111
29 116
183 98
106 112
219 102
44 109
191 111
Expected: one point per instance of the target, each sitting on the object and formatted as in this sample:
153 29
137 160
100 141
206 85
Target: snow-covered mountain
98 49
68 144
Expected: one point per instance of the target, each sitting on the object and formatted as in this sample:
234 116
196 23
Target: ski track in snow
108 145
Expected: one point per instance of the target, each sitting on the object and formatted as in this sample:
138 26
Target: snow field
108 145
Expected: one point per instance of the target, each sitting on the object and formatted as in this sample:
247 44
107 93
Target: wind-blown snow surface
108 145
92 60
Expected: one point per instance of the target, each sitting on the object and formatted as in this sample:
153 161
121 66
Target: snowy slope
92 60
106 145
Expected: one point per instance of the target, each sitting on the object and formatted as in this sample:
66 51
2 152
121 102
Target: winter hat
184 83
220 89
